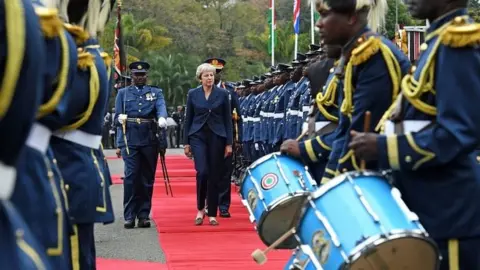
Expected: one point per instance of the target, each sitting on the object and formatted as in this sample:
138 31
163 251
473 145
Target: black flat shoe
143 223
225 214
129 224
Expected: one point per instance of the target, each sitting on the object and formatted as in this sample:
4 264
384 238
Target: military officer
249 96
225 184
75 145
23 62
257 117
432 138
265 115
293 111
123 81
138 107
371 67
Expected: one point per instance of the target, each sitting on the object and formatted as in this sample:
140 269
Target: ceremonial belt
39 138
80 137
140 120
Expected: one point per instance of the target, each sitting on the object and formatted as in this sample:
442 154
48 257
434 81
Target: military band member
432 141
315 151
22 58
138 107
75 145
38 178
371 68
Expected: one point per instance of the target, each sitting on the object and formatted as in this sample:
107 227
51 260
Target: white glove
7 184
162 122
122 118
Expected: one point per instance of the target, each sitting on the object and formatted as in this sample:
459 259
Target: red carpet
227 246
186 246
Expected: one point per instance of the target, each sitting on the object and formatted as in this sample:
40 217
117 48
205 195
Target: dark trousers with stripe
463 254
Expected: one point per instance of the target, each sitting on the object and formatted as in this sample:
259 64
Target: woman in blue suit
208 138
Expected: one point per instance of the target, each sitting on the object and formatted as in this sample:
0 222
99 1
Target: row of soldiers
54 180
363 101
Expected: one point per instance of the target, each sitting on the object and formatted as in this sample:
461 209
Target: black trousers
465 252
208 153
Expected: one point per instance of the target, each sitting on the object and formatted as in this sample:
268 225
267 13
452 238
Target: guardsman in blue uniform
371 67
38 178
265 115
137 109
225 184
315 151
262 91
76 144
277 106
293 111
313 57
432 139
247 122
22 70
296 77
257 90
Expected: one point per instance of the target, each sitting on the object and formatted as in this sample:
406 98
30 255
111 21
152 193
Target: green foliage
175 36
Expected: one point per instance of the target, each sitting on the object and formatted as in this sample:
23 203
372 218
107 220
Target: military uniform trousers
88 194
225 186
208 151
140 166
19 248
40 198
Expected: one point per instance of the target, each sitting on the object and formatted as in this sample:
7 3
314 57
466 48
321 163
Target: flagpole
296 47
312 21
272 34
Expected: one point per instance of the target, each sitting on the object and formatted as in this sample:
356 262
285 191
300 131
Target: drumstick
260 256
366 128
302 135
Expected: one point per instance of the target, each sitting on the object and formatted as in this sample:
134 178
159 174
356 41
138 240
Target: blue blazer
214 112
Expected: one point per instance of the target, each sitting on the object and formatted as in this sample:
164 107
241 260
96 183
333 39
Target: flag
296 16
272 25
316 16
118 50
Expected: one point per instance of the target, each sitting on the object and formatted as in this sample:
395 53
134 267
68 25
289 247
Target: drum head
398 254
280 219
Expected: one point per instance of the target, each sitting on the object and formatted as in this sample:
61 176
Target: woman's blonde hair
205 67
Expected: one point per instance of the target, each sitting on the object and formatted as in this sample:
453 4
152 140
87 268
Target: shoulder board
85 59
80 35
49 21
461 33
365 50
106 58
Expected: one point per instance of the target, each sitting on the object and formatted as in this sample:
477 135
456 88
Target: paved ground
113 241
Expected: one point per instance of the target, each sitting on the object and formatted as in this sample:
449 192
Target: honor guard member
249 96
225 184
304 106
315 151
138 107
279 114
296 76
432 139
76 145
255 85
281 78
22 65
122 82
257 117
293 111
38 178
371 66
265 116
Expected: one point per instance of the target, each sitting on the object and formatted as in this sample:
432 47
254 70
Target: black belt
140 120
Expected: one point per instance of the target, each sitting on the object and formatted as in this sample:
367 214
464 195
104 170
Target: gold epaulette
106 58
49 21
460 33
365 50
85 59
80 35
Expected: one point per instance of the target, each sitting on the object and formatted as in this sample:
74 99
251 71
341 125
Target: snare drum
359 221
301 259
274 190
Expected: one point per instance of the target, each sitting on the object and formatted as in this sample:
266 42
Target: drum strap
311 123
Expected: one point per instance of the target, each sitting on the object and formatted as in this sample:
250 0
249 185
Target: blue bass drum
301 259
274 190
359 221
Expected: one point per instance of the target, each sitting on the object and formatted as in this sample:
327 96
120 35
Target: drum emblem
269 181
321 246
252 199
